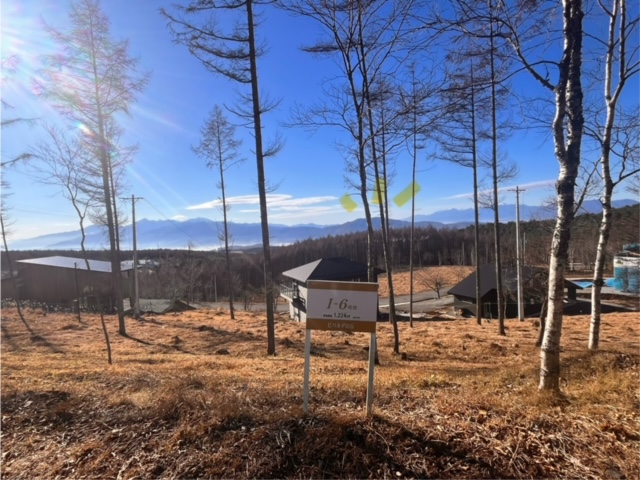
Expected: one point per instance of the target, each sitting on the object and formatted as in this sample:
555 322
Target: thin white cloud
179 218
282 206
307 212
274 202
298 202
239 200
525 186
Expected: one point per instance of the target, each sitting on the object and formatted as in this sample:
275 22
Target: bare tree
90 80
379 155
480 27
120 157
414 160
432 278
9 66
633 185
343 105
461 147
414 109
522 24
5 233
62 162
8 69
190 270
219 147
494 171
234 54
365 37
617 137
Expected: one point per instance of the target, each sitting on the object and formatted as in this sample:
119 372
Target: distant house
61 280
336 269
148 265
534 288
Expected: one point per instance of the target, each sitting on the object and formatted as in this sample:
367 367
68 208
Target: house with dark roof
337 269
61 280
534 288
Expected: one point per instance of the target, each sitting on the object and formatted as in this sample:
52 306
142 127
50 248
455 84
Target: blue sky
166 121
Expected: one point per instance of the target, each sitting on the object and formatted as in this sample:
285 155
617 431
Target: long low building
61 280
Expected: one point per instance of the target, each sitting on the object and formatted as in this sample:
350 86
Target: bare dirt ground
195 395
449 275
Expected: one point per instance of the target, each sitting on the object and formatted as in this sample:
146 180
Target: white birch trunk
569 109
617 12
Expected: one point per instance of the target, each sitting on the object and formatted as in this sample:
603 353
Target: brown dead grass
449 274
194 395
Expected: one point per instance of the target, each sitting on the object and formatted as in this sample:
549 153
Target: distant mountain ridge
508 212
203 234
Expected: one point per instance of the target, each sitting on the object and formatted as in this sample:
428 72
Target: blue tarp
608 282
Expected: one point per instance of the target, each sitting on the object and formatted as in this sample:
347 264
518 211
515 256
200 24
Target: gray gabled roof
79 263
336 268
467 287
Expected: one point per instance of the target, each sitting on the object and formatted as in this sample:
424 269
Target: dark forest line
200 275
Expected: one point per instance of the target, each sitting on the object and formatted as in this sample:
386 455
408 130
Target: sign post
372 363
346 307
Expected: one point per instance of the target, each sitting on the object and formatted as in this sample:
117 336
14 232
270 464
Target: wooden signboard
341 306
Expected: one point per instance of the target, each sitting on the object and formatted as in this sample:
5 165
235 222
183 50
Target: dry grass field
449 275
194 395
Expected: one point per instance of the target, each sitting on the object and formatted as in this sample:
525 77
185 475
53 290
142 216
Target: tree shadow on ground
8 338
39 340
371 447
135 339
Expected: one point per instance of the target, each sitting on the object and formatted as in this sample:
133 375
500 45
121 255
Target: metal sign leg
372 358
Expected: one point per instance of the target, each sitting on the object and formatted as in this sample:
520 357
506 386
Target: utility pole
136 300
519 255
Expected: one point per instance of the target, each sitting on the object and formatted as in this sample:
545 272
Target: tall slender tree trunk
387 241
14 284
105 162
227 253
413 197
105 332
382 198
116 274
262 192
387 257
598 269
83 239
476 205
611 100
116 220
362 176
362 173
494 169
569 109
543 320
